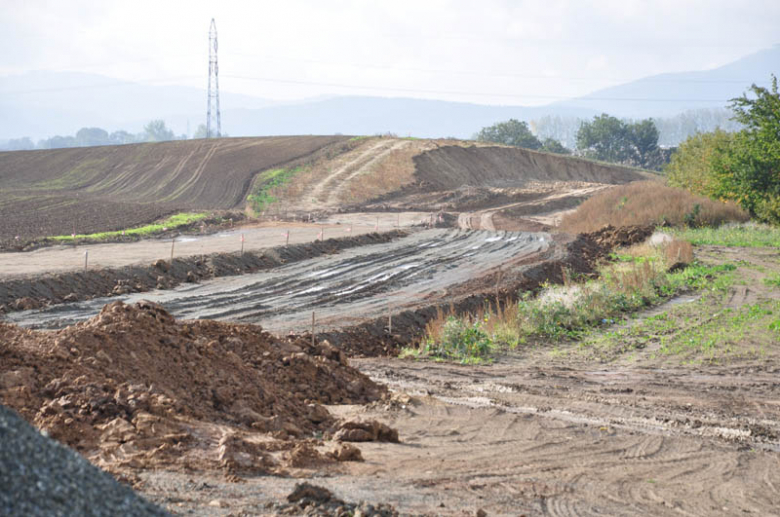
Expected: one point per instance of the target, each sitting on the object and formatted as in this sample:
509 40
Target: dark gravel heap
38 476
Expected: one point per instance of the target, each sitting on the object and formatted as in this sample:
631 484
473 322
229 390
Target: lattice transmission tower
213 116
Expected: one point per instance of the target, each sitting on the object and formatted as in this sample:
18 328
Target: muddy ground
555 429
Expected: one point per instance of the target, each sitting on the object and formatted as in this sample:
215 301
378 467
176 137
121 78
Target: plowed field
113 187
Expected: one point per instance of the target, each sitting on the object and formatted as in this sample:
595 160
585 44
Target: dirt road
261 236
344 289
524 438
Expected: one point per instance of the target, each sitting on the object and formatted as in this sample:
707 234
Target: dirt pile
449 167
609 237
133 387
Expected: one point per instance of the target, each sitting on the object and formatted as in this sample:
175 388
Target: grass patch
572 311
750 235
649 203
172 222
267 188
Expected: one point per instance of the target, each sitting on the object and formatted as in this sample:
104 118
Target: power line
483 74
98 86
453 92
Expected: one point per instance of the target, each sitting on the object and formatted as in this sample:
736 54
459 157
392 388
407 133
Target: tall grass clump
649 203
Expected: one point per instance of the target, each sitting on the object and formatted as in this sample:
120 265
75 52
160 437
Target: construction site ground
197 381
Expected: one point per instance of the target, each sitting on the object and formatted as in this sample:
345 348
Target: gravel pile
38 476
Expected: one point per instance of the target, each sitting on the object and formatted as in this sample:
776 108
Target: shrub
649 203
462 341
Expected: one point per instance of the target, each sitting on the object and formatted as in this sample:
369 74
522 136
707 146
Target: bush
462 341
649 203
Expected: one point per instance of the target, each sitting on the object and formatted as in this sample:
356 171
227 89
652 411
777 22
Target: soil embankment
451 167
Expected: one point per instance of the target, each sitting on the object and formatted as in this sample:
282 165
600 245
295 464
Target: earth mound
133 386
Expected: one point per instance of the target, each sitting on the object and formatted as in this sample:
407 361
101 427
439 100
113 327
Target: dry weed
649 202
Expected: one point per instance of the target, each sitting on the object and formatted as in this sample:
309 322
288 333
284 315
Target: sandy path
483 219
324 193
69 258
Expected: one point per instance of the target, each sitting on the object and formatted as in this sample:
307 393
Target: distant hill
682 91
43 104
375 115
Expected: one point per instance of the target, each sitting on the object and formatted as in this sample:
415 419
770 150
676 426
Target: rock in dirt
369 431
40 477
308 499
346 452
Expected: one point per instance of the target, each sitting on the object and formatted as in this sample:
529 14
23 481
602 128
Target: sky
488 51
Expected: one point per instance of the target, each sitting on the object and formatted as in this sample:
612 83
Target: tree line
605 138
154 131
741 165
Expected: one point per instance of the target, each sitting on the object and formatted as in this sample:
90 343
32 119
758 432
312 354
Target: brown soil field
93 189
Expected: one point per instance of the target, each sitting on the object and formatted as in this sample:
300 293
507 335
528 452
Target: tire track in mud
357 163
568 450
352 286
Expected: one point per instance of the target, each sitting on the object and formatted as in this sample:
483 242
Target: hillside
86 190
94 189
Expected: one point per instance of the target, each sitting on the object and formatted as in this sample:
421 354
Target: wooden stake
86 260
287 240
173 241
242 244
312 328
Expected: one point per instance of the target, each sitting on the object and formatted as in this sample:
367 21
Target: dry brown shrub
648 202
677 251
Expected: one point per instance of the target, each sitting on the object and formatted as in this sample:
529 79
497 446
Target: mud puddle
343 289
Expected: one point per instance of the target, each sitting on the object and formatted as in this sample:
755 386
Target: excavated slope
451 167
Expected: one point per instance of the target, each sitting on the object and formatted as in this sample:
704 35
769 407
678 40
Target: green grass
172 222
571 312
262 195
460 340
749 235
704 330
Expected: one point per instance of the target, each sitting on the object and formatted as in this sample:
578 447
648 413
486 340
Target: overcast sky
488 51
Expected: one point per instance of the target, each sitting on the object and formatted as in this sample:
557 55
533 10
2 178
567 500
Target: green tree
512 132
121 137
550 145
612 140
606 138
155 131
87 136
748 170
643 139
691 166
